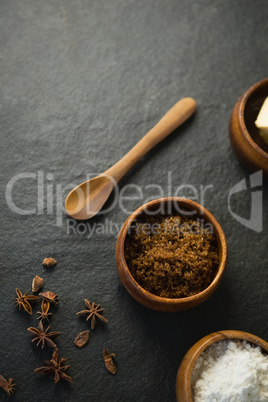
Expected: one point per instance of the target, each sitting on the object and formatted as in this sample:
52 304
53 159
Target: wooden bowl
247 143
148 299
184 376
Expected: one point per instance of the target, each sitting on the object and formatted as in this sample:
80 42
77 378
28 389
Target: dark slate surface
81 82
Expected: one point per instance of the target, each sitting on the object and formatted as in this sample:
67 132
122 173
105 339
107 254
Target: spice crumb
37 283
108 361
49 262
82 339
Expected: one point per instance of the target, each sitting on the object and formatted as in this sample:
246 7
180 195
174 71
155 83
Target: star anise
43 315
50 296
57 366
25 300
92 312
7 385
42 336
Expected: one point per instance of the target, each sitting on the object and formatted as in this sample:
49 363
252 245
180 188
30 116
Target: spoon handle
177 115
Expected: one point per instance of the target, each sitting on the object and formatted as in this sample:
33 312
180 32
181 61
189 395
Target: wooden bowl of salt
185 377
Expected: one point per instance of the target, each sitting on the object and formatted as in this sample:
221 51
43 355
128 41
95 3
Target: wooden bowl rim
207 215
184 375
241 115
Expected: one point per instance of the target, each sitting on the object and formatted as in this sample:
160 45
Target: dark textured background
81 83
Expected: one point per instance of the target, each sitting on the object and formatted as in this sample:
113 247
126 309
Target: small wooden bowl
184 376
247 143
161 303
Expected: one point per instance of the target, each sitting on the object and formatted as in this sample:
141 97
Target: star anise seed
82 339
37 283
108 361
43 315
25 300
57 366
7 385
42 336
92 312
49 262
50 296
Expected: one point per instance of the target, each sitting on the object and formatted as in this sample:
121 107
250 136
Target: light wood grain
86 200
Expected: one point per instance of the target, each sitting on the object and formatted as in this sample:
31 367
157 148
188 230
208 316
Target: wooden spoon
86 200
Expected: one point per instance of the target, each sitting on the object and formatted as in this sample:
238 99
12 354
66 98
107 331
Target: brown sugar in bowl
184 391
245 139
166 206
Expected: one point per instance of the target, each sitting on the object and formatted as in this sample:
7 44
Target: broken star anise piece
25 300
49 262
7 385
37 283
42 336
82 339
43 315
50 296
108 361
92 312
57 366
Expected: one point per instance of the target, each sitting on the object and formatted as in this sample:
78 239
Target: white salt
231 371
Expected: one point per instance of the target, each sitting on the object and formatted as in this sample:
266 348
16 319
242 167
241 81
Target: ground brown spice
172 256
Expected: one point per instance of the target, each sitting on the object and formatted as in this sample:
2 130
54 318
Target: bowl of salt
224 366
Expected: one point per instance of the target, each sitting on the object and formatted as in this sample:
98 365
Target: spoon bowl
87 199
